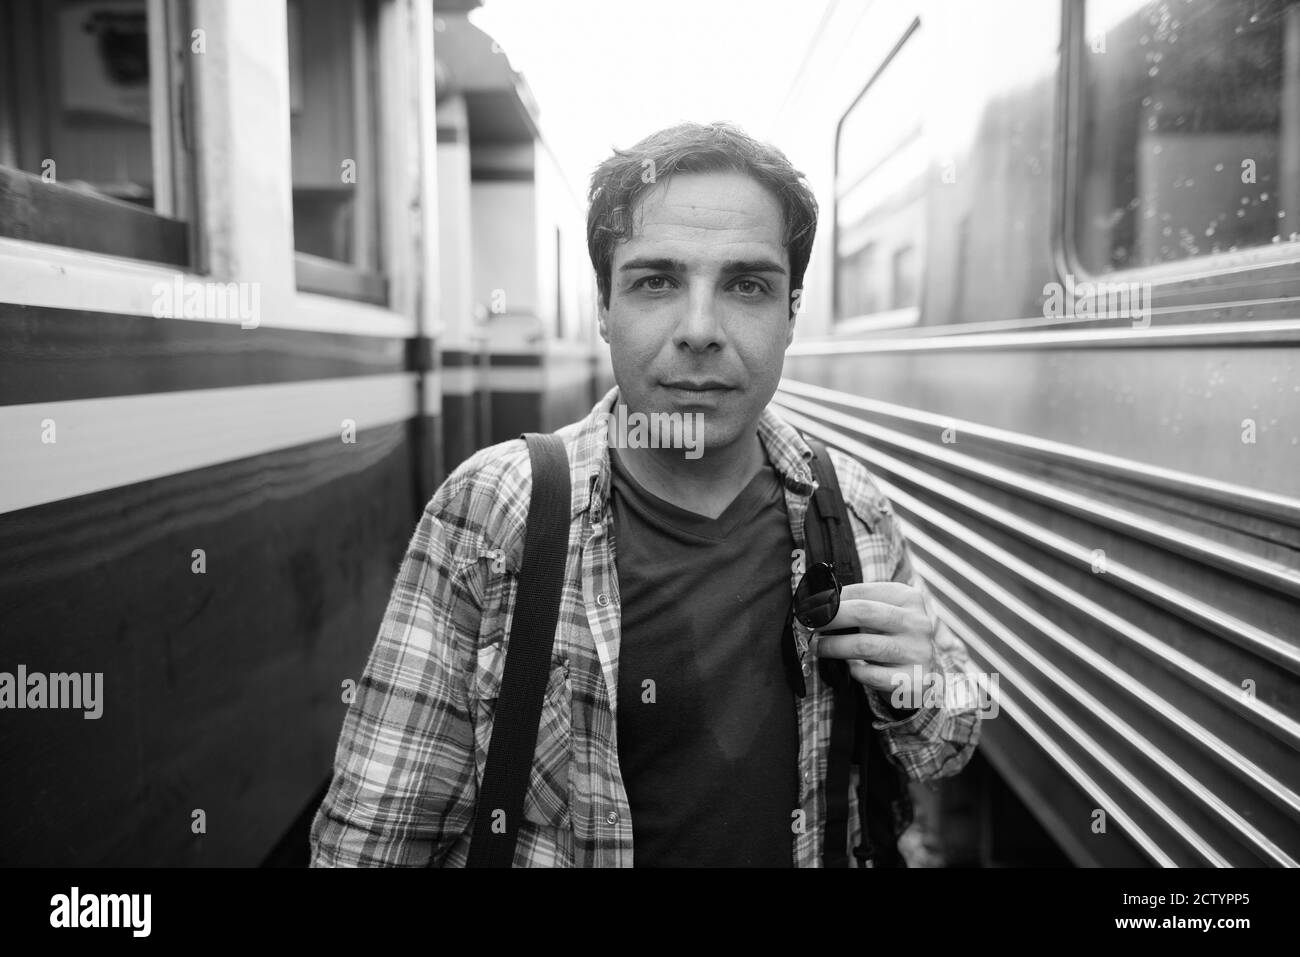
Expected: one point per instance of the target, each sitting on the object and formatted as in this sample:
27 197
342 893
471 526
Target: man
669 732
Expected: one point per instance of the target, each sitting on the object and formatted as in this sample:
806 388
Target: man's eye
653 283
749 287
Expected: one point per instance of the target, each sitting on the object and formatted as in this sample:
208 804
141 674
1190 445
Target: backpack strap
532 636
883 810
837 542
829 537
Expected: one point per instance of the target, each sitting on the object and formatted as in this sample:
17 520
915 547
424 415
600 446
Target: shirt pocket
546 801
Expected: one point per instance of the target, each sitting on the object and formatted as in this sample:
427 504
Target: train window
880 176
1189 143
903 284
90 148
333 106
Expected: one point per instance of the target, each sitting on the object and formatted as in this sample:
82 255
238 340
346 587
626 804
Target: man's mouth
697 385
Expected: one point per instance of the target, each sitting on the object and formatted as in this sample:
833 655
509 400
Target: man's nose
699 329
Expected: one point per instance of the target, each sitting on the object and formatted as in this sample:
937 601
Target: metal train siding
1104 504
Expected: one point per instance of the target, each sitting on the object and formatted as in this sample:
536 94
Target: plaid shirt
414 742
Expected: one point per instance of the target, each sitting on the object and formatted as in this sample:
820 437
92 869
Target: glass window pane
1190 137
79 107
880 190
332 123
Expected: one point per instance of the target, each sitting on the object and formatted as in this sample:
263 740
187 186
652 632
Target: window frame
335 278
1212 278
882 318
242 217
58 215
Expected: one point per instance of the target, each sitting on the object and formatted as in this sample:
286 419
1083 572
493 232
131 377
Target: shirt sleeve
402 792
936 740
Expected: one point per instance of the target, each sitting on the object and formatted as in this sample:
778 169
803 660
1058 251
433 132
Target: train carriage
1053 305
233 368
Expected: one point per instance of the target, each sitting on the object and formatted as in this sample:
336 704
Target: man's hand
901 634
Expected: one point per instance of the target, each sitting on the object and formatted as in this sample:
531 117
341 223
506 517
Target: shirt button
602 600
612 817
807 670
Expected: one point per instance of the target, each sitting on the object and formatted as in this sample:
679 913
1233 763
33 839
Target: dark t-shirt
707 728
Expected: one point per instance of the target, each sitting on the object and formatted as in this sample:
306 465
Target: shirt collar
785 447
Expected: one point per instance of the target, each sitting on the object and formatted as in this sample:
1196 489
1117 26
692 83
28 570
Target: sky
607 72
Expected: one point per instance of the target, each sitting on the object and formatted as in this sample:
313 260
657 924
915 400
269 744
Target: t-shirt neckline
747 502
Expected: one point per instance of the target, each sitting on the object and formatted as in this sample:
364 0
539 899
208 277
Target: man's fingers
892 593
878 616
871 647
873 676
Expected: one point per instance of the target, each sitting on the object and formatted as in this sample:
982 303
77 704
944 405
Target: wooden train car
233 367
1055 305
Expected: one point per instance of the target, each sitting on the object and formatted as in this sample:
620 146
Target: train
270 270
1054 305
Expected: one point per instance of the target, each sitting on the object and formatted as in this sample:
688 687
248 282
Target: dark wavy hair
618 184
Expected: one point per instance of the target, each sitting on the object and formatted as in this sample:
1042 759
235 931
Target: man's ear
796 300
602 317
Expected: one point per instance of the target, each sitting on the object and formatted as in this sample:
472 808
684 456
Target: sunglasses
816 603
817 596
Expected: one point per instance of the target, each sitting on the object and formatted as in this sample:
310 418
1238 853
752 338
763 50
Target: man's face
699 307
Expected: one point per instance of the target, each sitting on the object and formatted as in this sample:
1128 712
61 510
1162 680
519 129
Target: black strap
829 537
532 636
